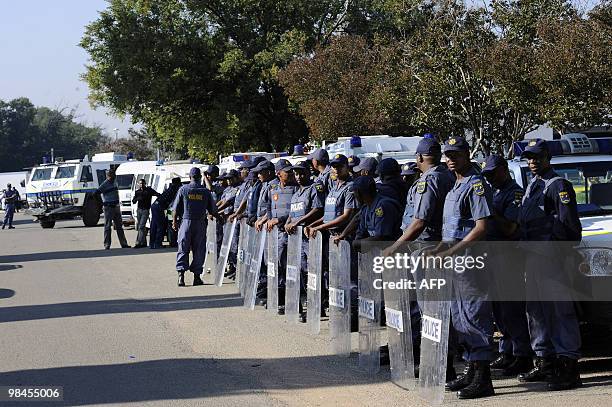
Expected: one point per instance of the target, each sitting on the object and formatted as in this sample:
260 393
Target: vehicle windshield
65 172
592 182
124 181
42 174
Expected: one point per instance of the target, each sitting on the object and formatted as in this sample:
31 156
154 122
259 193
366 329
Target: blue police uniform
380 219
159 221
468 201
253 195
304 200
549 213
10 198
510 316
195 201
229 195
217 194
324 179
339 198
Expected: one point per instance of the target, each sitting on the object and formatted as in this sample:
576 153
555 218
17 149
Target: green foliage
27 133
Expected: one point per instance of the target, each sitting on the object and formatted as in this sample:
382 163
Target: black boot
481 385
181 279
521 364
542 372
462 381
451 374
197 280
566 375
503 361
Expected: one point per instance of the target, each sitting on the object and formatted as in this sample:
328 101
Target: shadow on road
183 379
75 309
80 254
6 293
7 267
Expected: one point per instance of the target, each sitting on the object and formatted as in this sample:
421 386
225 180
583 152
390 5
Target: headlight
596 261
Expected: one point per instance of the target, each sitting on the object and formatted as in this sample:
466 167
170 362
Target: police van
232 162
587 164
127 180
401 148
66 189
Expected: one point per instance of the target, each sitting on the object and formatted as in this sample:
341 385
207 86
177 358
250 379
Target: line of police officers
426 201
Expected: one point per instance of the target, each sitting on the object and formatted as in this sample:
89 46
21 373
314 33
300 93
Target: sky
40 58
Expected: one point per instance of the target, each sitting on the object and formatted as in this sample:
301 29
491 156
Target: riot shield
434 301
370 302
248 257
315 264
210 261
272 257
340 297
399 327
250 289
292 280
226 245
240 256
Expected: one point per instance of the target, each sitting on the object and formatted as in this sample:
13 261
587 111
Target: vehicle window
65 172
155 182
41 174
86 175
124 181
101 175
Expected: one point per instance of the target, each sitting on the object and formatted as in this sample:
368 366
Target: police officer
112 214
510 317
279 209
10 202
320 162
466 209
244 200
367 166
142 197
226 208
193 201
410 173
353 162
216 187
306 206
549 214
158 213
391 184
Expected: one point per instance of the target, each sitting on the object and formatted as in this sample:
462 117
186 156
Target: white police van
66 189
587 164
232 162
403 149
127 180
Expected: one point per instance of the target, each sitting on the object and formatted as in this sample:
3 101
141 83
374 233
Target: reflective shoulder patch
379 211
478 188
564 197
319 187
421 186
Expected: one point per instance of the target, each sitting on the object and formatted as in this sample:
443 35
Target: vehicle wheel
47 223
91 212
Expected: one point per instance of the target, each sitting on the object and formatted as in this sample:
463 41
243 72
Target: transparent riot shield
293 276
248 257
272 257
399 328
210 261
340 297
315 264
240 255
226 245
370 328
250 289
434 287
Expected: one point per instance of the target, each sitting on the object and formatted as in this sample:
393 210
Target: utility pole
116 130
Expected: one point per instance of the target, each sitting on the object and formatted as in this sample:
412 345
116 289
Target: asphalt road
112 327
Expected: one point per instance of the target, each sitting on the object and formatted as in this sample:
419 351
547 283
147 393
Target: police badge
478 188
564 197
421 185
379 211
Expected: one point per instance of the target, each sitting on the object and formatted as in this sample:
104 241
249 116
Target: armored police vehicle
587 164
66 189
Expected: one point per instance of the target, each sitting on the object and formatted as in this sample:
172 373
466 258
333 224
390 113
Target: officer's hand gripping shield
228 236
370 303
340 297
293 276
272 257
240 255
254 268
434 290
210 262
315 265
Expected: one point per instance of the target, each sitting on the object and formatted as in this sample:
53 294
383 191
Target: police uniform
380 219
159 221
339 198
549 213
196 201
324 178
10 198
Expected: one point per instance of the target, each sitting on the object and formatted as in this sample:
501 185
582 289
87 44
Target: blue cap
251 177
353 160
492 162
302 165
368 163
298 149
339 159
388 166
365 183
264 165
535 147
282 165
319 154
195 172
409 169
456 143
212 170
248 164
230 174
429 146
